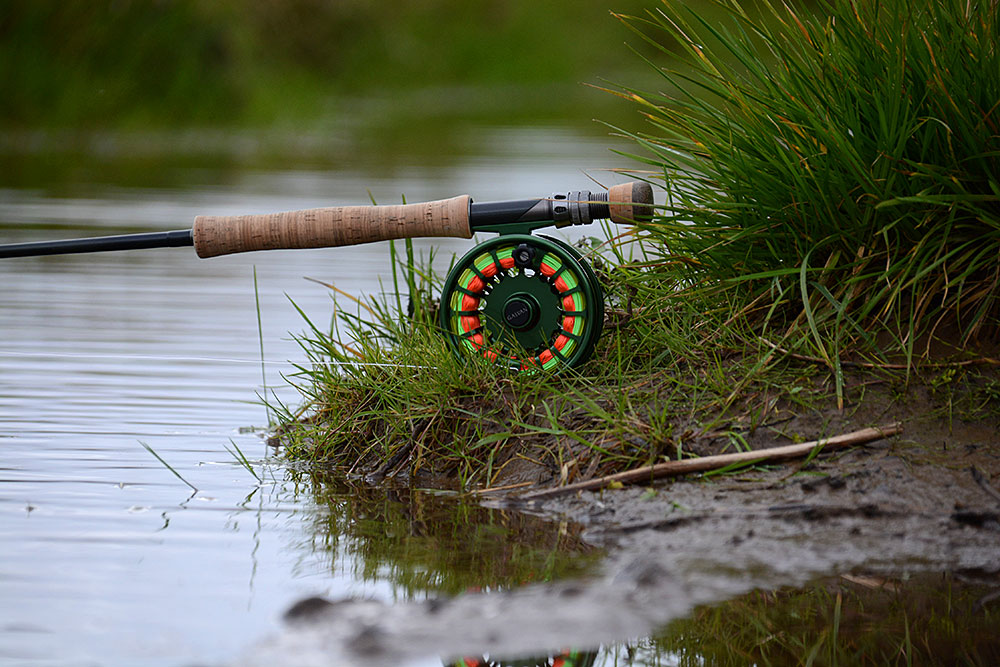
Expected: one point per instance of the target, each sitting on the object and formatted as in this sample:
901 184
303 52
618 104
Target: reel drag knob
523 302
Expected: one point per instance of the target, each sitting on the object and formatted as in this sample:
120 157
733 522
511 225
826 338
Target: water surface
108 557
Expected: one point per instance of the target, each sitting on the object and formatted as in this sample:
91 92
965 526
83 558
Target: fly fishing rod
519 300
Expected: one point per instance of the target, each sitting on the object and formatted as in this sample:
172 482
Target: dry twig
706 463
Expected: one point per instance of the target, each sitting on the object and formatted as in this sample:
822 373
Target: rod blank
172 239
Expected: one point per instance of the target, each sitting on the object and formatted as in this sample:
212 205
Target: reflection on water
427 542
928 619
567 658
102 353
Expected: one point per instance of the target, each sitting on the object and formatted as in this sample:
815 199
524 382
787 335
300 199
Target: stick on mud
706 463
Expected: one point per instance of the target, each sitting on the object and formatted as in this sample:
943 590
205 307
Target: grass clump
386 396
832 176
832 197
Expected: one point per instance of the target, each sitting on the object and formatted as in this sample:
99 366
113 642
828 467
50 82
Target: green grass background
173 62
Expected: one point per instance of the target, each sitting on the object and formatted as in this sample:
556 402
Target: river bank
924 503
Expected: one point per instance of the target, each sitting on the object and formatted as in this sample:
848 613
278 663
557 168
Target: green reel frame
524 302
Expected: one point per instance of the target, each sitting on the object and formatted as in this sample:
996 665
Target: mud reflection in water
930 619
483 587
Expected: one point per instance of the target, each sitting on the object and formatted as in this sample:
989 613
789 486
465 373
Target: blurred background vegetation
140 63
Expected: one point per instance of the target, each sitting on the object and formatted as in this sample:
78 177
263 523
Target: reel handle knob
331 226
523 255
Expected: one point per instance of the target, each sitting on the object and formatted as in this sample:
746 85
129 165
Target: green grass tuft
386 395
832 177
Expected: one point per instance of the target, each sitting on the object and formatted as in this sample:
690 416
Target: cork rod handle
629 203
327 227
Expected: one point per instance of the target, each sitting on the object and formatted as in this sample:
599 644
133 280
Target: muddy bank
925 501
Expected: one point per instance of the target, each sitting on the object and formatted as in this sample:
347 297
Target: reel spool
524 302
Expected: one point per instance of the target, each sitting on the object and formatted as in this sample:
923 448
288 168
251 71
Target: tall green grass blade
241 458
731 468
167 465
260 339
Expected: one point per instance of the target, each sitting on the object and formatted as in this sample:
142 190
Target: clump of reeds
387 396
835 173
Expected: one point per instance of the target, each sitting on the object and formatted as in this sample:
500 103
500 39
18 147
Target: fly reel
523 302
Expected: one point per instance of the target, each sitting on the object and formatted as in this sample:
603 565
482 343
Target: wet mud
925 503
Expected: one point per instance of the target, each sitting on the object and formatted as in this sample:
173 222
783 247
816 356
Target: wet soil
926 501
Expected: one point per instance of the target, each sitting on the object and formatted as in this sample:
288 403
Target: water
107 557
